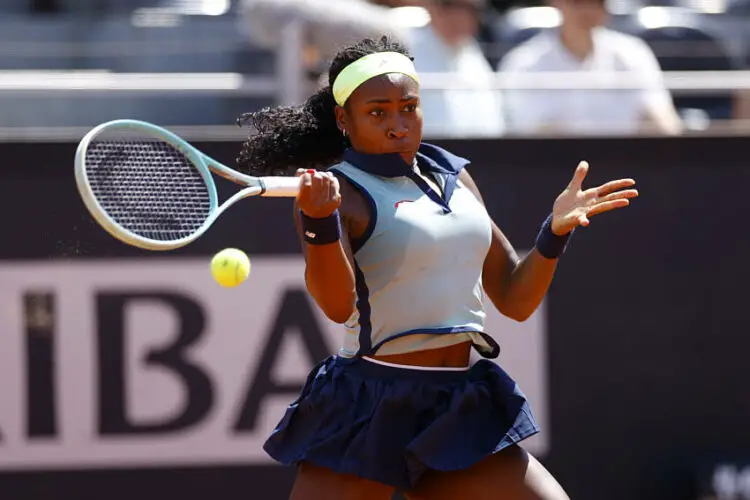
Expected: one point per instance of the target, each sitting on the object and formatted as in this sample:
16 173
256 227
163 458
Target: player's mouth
401 146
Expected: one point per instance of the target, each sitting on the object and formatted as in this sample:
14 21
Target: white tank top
418 267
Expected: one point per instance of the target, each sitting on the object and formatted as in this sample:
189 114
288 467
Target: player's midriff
454 356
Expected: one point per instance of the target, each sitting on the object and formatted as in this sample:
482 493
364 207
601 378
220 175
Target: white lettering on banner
731 482
112 363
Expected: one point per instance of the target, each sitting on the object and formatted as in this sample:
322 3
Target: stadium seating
117 43
521 24
105 35
685 41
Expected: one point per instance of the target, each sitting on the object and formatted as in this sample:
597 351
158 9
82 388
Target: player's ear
341 119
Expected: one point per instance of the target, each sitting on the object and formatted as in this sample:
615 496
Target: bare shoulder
355 209
468 181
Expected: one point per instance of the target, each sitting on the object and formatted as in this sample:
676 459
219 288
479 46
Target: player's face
384 116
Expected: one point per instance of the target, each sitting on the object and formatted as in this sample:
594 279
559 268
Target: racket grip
280 187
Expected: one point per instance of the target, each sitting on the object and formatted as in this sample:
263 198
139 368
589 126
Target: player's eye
376 112
410 108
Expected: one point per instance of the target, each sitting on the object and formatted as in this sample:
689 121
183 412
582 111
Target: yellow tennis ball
230 267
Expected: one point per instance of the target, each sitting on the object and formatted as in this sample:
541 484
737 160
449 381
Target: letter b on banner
111 325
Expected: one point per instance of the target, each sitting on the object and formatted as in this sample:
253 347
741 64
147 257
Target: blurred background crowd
492 68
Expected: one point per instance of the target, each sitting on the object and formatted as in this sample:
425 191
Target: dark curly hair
306 136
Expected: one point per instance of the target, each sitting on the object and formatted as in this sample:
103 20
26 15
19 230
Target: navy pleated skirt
391 424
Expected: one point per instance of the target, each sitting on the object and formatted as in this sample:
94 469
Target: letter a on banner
295 315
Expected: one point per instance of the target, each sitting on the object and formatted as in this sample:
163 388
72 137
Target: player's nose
398 130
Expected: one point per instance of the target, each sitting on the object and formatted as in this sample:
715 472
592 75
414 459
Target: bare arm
329 267
515 286
741 105
661 117
329 274
658 113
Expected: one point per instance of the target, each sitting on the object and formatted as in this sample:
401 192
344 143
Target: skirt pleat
392 424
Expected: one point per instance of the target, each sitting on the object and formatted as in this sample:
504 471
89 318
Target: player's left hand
576 205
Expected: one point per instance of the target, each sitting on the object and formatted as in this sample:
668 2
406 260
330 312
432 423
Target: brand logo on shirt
402 201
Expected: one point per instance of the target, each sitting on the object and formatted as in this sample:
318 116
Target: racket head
144 185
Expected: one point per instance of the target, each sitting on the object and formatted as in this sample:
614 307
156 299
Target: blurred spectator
328 24
448 44
445 44
583 45
393 3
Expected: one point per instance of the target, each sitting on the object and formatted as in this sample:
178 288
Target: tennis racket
151 189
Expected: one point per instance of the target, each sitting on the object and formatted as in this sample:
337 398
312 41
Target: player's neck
578 41
409 158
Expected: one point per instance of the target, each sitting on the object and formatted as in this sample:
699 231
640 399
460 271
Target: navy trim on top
423 331
358 243
363 306
430 158
426 189
492 352
360 285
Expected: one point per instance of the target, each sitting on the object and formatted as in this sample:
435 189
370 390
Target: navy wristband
321 231
548 244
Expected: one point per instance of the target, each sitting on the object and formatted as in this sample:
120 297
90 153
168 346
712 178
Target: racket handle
280 187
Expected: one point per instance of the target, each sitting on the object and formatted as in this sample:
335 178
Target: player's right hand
319 194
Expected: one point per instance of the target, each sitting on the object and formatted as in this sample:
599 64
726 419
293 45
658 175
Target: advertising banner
144 362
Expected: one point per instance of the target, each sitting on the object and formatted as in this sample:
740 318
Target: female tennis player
399 248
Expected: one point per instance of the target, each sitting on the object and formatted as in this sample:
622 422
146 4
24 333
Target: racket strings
148 187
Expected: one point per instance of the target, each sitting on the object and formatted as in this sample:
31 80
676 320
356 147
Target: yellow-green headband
368 67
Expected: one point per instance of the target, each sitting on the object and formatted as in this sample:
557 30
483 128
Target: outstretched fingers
579 175
618 195
607 206
612 186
